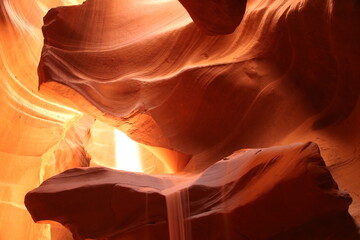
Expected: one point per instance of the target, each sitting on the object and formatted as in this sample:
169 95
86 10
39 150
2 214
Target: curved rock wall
287 73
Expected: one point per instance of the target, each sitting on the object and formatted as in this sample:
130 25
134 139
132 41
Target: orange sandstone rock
288 73
271 193
216 16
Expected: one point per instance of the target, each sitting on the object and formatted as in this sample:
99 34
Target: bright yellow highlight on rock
127 153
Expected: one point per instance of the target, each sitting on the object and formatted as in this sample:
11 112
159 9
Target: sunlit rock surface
270 193
287 62
288 73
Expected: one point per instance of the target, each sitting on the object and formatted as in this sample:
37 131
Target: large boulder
271 193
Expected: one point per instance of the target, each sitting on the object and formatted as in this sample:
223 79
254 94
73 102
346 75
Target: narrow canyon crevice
244 116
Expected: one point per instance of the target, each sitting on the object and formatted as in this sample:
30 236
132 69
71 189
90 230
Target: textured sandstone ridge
287 63
271 193
288 73
32 127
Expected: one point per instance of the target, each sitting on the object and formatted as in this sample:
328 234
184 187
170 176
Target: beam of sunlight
126 153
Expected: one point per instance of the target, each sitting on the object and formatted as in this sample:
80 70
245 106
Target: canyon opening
179 119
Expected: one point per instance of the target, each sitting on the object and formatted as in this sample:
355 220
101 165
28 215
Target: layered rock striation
173 86
193 81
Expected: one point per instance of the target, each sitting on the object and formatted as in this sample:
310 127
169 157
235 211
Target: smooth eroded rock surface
271 193
289 65
288 73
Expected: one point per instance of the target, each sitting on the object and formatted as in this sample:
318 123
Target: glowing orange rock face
271 193
288 73
172 86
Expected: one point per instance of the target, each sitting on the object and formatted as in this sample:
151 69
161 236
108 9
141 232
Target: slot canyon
179 119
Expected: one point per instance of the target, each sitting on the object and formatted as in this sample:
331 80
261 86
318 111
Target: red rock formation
262 81
271 193
288 73
216 16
